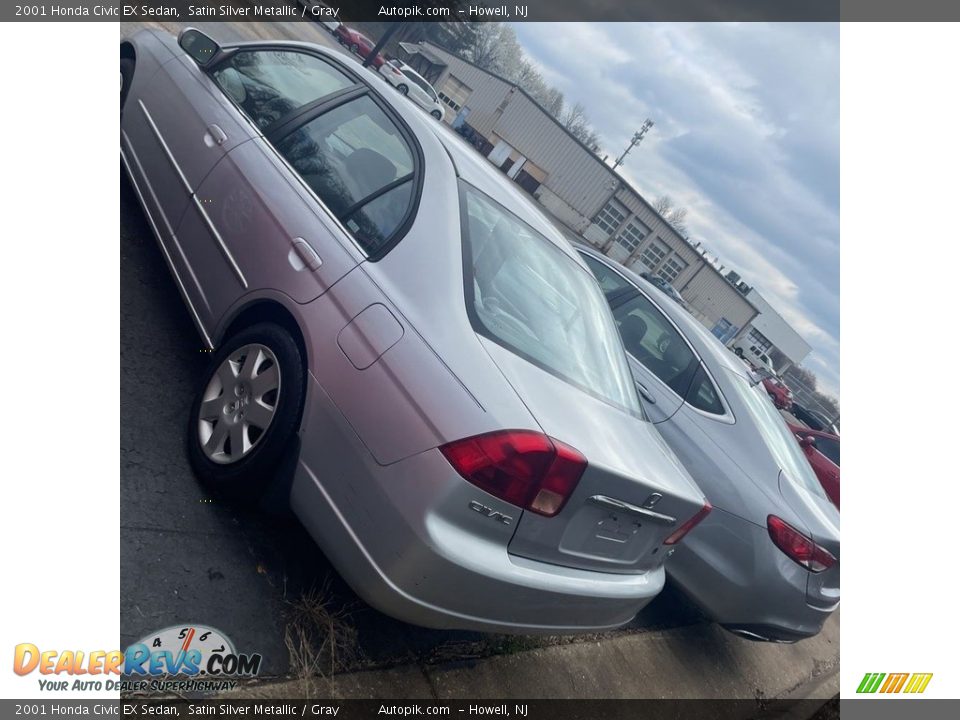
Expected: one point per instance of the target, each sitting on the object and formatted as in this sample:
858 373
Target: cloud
746 137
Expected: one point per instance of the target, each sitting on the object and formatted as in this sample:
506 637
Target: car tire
354 48
126 77
436 114
738 352
403 89
238 390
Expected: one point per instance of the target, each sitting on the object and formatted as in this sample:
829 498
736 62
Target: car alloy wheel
403 89
239 403
247 410
437 115
354 48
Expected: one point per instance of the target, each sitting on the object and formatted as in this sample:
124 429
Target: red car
358 43
823 451
778 392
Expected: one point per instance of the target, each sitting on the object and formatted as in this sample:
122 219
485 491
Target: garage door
454 93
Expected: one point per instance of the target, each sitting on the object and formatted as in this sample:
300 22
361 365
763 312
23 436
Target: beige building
575 185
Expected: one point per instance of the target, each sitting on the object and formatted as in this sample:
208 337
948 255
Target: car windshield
777 436
527 295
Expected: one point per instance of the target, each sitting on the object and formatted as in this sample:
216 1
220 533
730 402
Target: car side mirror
808 441
202 49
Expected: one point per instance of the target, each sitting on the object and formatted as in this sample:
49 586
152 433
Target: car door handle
305 254
641 388
216 133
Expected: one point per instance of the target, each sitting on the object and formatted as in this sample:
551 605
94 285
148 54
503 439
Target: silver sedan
766 563
390 317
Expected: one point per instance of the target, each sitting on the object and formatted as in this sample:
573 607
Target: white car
410 83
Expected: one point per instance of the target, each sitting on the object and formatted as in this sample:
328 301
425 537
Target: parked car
813 419
664 286
823 451
358 44
409 82
766 564
469 452
781 395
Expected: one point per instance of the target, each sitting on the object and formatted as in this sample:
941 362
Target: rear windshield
779 439
526 294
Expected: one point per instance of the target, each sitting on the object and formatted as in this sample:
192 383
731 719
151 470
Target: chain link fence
807 397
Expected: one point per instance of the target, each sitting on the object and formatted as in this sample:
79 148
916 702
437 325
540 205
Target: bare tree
485 47
573 116
676 216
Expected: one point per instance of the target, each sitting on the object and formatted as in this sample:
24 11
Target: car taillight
798 547
689 525
523 467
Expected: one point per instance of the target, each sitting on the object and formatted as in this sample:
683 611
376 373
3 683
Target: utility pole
637 137
388 33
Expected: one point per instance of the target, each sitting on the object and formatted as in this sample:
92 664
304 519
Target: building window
724 330
632 235
672 268
611 216
759 340
454 93
653 254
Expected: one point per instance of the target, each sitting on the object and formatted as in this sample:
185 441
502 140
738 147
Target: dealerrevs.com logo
178 658
911 683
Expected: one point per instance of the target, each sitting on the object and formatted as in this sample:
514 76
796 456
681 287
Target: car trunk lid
821 521
632 496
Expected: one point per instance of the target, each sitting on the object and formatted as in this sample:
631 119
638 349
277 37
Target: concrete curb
697 662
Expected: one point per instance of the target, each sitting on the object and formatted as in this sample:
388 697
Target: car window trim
279 129
622 295
377 193
279 47
406 133
303 115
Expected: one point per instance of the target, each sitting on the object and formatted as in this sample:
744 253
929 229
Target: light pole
637 137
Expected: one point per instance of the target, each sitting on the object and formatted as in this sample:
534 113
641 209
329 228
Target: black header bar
481 10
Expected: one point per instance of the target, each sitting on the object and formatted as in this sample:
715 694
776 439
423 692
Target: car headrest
677 354
632 330
370 170
232 83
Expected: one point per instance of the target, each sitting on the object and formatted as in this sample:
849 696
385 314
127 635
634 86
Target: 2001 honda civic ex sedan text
471 450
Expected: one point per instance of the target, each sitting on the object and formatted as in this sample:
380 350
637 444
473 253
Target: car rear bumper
732 570
405 538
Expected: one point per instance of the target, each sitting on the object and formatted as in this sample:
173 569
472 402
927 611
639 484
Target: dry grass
320 641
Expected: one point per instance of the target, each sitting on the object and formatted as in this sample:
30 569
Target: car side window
610 281
703 394
359 164
655 343
830 448
272 84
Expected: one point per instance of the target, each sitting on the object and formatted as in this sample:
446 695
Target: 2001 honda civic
766 563
469 448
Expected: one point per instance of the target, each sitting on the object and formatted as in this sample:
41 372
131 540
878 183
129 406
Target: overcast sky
746 137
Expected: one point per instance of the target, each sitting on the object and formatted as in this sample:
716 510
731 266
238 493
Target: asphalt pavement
189 558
